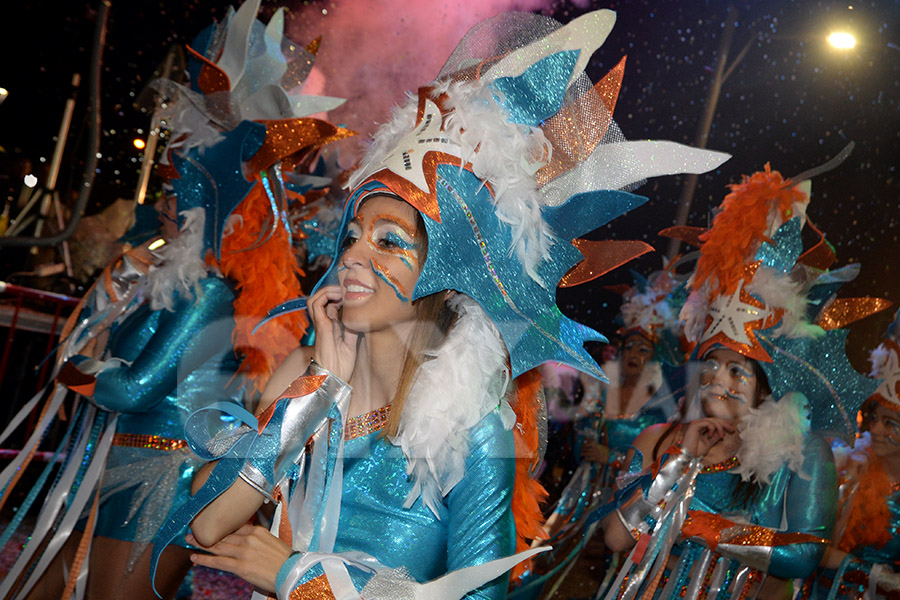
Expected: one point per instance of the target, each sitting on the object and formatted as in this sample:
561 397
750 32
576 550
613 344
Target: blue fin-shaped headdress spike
818 367
538 93
785 249
213 179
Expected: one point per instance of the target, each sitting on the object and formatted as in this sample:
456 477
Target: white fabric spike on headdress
585 34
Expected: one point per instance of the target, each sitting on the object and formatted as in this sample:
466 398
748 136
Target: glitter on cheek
384 273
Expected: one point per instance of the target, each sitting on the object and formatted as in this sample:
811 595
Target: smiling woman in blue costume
440 302
165 333
862 560
726 496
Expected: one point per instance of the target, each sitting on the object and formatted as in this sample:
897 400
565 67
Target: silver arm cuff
302 417
757 557
675 474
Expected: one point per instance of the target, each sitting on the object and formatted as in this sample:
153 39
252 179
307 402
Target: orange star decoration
733 318
410 170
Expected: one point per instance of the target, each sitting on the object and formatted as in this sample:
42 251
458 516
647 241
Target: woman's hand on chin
335 347
251 553
703 434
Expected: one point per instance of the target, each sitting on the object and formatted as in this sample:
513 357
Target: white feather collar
464 380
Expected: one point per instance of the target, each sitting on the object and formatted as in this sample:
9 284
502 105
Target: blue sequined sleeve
183 340
481 526
810 507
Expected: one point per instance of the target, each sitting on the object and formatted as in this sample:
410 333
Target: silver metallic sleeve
677 472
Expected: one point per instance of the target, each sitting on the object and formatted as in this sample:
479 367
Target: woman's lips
355 290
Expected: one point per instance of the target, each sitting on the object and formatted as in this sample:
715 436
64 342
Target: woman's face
884 426
380 263
636 353
728 385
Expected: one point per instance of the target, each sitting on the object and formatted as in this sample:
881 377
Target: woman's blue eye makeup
397 238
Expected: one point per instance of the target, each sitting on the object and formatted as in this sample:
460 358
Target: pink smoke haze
374 51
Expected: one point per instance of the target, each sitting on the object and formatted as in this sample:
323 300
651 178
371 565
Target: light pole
839 40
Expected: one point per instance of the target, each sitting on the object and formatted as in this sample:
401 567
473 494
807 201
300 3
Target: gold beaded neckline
365 424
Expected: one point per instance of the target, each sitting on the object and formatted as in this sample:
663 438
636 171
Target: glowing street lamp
842 40
139 143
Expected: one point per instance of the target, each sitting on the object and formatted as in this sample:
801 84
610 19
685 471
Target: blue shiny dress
591 478
172 363
792 503
474 525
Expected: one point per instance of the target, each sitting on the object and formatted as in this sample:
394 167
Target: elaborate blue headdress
755 291
242 118
509 156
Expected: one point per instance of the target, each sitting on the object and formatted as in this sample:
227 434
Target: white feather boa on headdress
181 264
453 391
773 435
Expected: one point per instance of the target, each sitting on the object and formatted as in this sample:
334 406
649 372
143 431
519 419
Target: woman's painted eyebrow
407 228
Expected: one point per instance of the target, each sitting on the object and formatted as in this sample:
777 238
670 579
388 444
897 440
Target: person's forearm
228 512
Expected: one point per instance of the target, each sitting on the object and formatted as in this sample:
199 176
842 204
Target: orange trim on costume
528 493
212 78
314 589
821 255
715 529
566 129
83 544
76 380
302 386
288 137
285 530
843 311
601 257
685 233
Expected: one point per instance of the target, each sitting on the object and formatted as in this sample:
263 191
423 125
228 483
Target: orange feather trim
265 276
740 228
528 493
870 518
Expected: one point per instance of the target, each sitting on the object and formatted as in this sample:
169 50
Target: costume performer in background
165 333
726 495
635 397
437 308
862 561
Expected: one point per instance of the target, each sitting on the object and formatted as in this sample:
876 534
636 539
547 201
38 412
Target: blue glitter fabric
176 362
816 366
214 180
475 521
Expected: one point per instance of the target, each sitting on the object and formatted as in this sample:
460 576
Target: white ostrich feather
773 435
693 313
777 290
879 358
181 263
464 380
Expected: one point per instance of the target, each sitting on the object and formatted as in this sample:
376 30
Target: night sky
791 101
